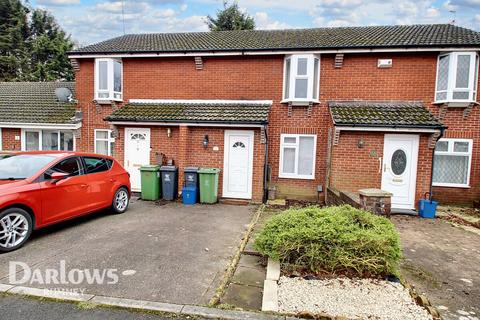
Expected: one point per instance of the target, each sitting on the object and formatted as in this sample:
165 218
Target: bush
334 239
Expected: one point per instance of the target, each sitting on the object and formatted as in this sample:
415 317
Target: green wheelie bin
208 184
150 178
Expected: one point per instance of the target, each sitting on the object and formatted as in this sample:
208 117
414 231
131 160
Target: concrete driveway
170 253
443 262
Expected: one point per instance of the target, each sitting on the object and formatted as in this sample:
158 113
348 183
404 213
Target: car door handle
83 185
112 180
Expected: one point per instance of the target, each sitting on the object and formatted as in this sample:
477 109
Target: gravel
351 298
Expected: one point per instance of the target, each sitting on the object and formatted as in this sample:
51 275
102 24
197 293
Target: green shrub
334 239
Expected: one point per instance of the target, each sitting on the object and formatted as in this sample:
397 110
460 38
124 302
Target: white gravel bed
351 298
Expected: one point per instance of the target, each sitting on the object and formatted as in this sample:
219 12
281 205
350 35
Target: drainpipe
265 168
442 131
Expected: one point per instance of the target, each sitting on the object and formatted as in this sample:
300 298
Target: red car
42 188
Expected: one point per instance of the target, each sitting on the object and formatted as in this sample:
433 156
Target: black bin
169 182
191 176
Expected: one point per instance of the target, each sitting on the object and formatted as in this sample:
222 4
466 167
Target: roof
382 114
184 111
433 35
35 102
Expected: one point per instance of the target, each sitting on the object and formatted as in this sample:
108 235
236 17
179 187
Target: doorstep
237 202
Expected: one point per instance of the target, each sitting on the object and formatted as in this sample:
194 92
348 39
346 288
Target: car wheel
120 200
15 228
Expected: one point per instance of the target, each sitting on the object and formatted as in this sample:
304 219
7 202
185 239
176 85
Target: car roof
61 154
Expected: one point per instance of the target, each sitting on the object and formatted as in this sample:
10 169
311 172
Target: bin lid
208 170
168 168
191 169
149 167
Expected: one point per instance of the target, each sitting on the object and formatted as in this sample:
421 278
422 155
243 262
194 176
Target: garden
336 262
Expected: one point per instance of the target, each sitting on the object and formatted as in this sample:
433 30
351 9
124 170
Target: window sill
299 102
455 104
282 176
451 185
107 101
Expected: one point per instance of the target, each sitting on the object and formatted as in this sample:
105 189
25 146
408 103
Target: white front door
238 164
137 153
400 155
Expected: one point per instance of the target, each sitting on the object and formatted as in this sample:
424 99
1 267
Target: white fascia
385 129
187 124
52 126
186 101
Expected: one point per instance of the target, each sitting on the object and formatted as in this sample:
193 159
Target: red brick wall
8 139
412 77
185 147
355 168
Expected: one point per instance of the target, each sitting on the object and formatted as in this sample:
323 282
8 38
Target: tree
33 47
230 18
13 32
48 46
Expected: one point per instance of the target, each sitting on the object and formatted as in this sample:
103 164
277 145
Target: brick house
298 111
32 118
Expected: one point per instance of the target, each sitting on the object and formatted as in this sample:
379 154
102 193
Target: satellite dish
63 94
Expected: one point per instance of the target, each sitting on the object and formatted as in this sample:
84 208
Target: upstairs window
301 78
108 79
457 77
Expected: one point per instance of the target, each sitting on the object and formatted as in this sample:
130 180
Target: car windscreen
22 166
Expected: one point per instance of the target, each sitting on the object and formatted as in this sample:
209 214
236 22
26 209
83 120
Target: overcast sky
90 21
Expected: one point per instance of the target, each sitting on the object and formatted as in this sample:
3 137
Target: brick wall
185 147
8 139
355 168
412 77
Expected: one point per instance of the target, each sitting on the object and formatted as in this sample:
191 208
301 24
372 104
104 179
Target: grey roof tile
319 38
204 112
382 114
34 102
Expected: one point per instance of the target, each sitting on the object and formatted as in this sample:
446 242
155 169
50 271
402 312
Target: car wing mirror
58 176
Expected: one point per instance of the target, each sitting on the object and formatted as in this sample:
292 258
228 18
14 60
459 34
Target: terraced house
295 111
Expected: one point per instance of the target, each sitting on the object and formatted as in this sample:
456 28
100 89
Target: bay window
47 140
301 78
457 77
108 79
104 141
297 156
452 162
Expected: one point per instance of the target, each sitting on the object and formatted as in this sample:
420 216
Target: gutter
71 126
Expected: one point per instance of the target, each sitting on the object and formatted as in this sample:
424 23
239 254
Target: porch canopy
191 112
378 116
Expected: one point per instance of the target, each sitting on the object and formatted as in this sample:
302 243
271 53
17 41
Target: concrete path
170 253
443 262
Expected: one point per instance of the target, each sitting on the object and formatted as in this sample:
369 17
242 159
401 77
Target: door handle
83 185
112 180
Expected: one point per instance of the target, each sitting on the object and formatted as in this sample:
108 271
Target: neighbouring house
298 111
32 117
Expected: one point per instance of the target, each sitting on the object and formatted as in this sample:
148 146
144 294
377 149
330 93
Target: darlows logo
21 274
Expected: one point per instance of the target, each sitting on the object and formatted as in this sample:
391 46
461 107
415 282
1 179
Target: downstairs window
297 156
453 158
47 140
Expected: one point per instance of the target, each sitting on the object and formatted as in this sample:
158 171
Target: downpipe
442 131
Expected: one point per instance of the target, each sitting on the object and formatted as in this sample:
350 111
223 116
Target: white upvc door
400 156
238 164
137 153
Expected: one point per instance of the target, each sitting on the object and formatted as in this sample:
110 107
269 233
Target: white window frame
296 145
1 140
293 75
452 76
23 141
451 142
112 95
109 140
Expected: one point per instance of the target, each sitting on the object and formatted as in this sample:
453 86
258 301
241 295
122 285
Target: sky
90 21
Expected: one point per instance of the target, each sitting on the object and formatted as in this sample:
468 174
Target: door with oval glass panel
137 153
238 164
399 169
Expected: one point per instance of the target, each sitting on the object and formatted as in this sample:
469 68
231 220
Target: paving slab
170 253
442 261
249 276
